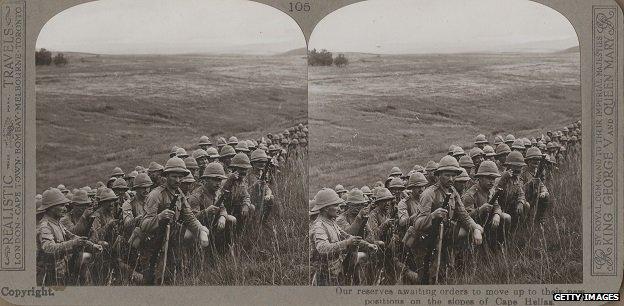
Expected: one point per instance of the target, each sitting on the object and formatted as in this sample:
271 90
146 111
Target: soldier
477 155
221 142
498 140
181 153
481 141
213 155
430 169
239 201
419 168
155 171
458 152
225 157
509 139
158 214
462 182
330 242
232 141
502 150
467 163
55 244
431 212
260 193
117 173
204 142
367 192
204 204
130 177
477 203
518 145
512 200
353 219
174 151
201 157
134 210
241 147
535 191
107 230
408 205
341 191
395 172
396 187
120 187
187 184
78 220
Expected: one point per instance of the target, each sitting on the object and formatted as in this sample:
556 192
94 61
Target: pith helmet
565 129
311 204
240 160
515 159
526 142
258 155
573 139
188 179
176 164
174 151
541 145
120 184
448 163
199 153
116 172
340 189
546 139
241 146
396 171
252 144
431 166
474 152
181 153
107 194
139 169
142 180
509 139
481 139
383 194
458 151
212 152
214 169
533 153
418 168
550 145
488 168
463 176
99 184
498 140
204 140
416 180
451 149
81 197
356 196
366 190
52 197
502 148
325 197
154 166
396 183
227 150
132 174
466 162
221 142
233 141
533 141
518 144
303 141
191 163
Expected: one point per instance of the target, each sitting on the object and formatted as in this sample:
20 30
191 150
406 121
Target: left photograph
171 145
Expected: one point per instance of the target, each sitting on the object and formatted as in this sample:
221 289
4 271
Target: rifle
165 246
348 265
260 187
497 194
539 175
436 235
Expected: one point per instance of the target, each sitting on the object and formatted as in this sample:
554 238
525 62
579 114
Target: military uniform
531 190
329 245
253 181
54 249
78 226
512 197
473 198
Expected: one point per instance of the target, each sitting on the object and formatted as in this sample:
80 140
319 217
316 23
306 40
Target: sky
443 26
170 27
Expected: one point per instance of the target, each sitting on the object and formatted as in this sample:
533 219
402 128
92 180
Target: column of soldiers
414 227
145 226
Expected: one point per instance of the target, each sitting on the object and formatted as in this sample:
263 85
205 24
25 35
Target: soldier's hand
439 213
88 212
487 207
213 210
221 223
166 214
80 241
495 220
373 247
354 241
96 248
363 212
268 198
476 235
203 236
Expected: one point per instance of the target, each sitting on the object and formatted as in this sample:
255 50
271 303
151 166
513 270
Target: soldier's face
416 191
57 211
174 179
486 182
241 171
203 146
77 210
446 178
213 183
258 165
142 192
332 211
477 160
515 170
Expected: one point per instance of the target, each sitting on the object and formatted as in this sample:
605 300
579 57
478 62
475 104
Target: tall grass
548 254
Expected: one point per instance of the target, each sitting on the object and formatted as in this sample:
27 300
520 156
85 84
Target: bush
43 57
322 58
341 60
60 59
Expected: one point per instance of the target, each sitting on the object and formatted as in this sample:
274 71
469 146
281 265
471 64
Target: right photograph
445 145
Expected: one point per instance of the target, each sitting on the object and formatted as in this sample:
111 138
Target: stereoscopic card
452 152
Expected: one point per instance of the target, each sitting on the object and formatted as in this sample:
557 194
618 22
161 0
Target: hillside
102 111
402 110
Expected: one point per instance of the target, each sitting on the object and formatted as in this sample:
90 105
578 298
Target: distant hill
298 51
575 49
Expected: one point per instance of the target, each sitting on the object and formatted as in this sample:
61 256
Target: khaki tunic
474 197
78 226
329 244
53 251
433 198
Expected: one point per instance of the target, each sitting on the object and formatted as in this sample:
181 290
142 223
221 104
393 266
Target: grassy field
105 111
400 110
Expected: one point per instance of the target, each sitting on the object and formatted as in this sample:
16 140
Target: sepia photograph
172 144
445 145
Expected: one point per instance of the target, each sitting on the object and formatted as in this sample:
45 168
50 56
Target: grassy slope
402 110
105 111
